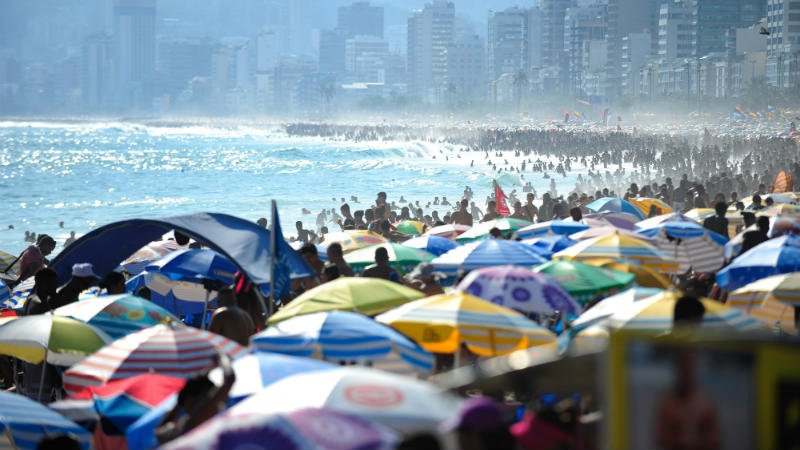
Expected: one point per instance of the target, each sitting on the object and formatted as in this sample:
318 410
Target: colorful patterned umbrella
552 227
506 225
488 253
615 219
399 402
351 240
305 429
432 244
172 350
410 227
692 245
118 403
5 294
151 252
402 258
614 204
117 315
611 305
450 231
775 256
606 230
61 341
443 322
176 296
645 203
621 247
784 288
344 336
519 288
368 296
24 422
645 277
585 282
20 294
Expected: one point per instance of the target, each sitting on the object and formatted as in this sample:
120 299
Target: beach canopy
243 242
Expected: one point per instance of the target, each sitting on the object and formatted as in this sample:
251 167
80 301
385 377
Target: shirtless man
381 268
462 216
531 211
491 212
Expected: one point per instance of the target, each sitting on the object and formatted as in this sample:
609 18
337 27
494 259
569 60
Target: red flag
500 197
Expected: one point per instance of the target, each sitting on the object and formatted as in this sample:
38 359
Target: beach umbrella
487 253
784 209
9 265
435 245
692 245
172 350
58 340
775 256
622 220
151 252
606 230
780 225
257 370
784 288
775 314
655 314
621 247
368 296
734 245
506 225
24 422
700 214
19 295
585 282
304 429
353 239
176 296
645 277
551 227
193 264
5 294
117 315
449 231
441 323
118 404
344 336
402 258
551 244
614 204
608 306
402 403
645 203
519 288
410 227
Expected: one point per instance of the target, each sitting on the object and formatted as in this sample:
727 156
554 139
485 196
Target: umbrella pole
41 378
205 309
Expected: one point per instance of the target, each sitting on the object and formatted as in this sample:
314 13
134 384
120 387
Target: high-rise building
783 43
331 51
134 49
361 19
553 12
507 50
465 68
430 35
584 38
364 57
626 17
675 30
181 59
712 21
96 71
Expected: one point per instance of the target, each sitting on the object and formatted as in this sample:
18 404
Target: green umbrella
410 228
505 224
58 340
401 257
585 282
368 296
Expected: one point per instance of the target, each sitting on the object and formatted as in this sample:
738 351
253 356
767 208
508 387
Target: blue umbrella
488 253
431 244
775 256
691 244
344 336
193 264
551 244
19 295
614 204
5 295
23 423
260 369
549 228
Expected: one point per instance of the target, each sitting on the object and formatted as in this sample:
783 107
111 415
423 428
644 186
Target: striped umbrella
488 253
621 247
257 370
20 294
614 204
611 305
784 288
117 315
176 296
402 258
443 322
368 296
431 244
148 254
172 350
519 288
775 256
775 314
9 265
343 336
351 240
551 244
784 182
655 314
506 225
5 295
692 245
645 203
606 230
734 245
645 277
451 231
24 422
784 209
61 341
622 220
585 282
552 227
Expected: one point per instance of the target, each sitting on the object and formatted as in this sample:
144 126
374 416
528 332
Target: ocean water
90 174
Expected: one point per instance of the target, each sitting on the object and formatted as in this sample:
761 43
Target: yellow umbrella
644 204
700 214
645 276
620 247
784 288
441 323
783 209
353 239
772 312
10 262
